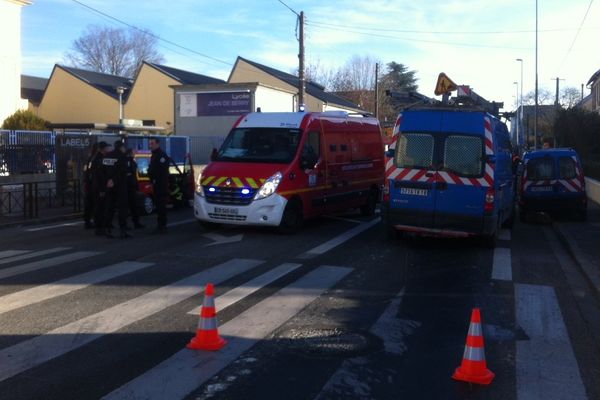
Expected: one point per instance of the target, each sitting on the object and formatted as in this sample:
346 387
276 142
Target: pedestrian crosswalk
179 373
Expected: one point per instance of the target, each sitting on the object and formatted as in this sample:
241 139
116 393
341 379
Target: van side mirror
213 154
308 161
390 153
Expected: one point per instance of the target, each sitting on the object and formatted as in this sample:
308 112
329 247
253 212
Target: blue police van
449 173
552 180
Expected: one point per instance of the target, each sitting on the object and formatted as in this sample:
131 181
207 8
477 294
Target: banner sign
223 104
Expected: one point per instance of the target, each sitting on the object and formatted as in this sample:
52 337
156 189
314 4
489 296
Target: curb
590 271
41 221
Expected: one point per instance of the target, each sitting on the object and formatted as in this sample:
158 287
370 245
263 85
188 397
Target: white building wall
10 57
272 100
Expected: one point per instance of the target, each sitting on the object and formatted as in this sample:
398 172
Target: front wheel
292 218
368 208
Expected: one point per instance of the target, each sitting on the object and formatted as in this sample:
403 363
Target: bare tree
569 97
113 50
545 97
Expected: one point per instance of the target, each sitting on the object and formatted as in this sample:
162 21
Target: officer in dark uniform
99 180
115 164
88 193
158 171
132 189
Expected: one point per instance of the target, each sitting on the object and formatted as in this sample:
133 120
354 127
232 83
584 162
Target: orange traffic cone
473 367
207 334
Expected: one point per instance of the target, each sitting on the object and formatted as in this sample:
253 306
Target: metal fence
26 152
39 199
201 147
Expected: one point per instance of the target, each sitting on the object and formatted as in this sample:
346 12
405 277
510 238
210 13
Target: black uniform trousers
100 208
116 200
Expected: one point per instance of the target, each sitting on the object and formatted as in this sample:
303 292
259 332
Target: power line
150 33
412 39
289 8
440 32
576 34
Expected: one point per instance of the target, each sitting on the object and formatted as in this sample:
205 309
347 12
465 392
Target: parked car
181 183
449 173
552 180
278 169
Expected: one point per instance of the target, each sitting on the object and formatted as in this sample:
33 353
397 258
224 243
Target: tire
368 209
490 241
582 214
292 219
523 215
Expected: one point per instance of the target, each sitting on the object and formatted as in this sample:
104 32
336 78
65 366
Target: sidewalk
583 241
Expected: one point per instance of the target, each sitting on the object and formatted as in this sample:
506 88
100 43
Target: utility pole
520 106
556 103
535 117
377 90
302 79
582 92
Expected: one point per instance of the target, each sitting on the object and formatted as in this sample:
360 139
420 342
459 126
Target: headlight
199 188
269 187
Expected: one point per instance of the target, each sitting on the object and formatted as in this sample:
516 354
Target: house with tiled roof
32 90
594 85
317 99
151 97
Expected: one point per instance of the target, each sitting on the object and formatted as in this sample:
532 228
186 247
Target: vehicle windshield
143 163
264 145
539 169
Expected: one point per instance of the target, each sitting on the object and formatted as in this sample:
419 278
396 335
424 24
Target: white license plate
226 211
414 192
542 188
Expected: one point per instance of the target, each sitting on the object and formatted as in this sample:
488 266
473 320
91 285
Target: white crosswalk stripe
35 254
245 290
64 286
40 349
10 253
186 370
46 263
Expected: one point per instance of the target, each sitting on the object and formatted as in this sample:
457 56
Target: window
463 155
269 145
567 168
540 169
143 164
415 150
312 147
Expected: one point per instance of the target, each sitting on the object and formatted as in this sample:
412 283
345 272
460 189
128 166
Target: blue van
552 180
449 173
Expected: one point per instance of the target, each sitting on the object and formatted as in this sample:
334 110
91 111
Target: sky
475 42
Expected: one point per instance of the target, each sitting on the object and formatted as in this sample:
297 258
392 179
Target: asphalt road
337 311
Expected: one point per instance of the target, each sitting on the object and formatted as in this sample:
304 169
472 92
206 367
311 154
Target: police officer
88 193
99 181
158 171
115 165
132 189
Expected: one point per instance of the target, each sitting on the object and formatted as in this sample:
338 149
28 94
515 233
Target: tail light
490 199
386 191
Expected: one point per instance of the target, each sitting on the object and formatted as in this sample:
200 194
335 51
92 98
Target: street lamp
120 91
535 118
520 108
517 113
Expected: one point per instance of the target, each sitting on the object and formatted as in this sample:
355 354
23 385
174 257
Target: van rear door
461 183
411 180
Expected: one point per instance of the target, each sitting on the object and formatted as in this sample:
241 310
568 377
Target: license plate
414 192
542 188
226 211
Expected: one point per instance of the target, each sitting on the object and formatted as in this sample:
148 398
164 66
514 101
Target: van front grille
228 195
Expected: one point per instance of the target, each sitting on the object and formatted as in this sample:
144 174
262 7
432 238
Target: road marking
234 295
336 241
354 221
185 221
222 239
186 370
33 255
46 263
43 228
11 253
33 352
504 234
545 364
502 264
51 290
